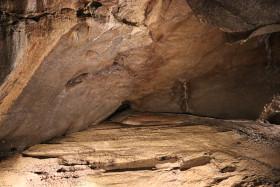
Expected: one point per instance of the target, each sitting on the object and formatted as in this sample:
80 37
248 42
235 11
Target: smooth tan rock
200 152
68 65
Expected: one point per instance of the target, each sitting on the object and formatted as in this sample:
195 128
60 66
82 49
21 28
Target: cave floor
153 149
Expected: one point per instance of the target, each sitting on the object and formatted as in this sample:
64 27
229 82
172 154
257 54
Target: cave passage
139 93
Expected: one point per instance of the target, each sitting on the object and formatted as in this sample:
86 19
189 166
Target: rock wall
68 65
238 15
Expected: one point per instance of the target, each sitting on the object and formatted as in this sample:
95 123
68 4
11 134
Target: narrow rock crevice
40 173
147 164
149 8
130 169
186 99
125 21
77 80
228 169
38 157
11 16
219 180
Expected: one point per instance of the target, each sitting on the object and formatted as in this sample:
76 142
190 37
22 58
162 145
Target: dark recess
125 106
275 119
96 4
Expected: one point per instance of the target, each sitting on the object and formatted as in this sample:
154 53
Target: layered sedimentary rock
68 65
153 149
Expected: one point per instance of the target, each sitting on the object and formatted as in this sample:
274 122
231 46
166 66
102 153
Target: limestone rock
68 65
153 150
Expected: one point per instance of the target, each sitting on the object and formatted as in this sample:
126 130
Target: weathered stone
162 150
238 15
68 65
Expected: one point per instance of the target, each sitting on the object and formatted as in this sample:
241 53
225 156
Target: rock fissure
6 17
187 108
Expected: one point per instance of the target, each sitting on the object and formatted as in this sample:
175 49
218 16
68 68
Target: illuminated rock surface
68 65
146 149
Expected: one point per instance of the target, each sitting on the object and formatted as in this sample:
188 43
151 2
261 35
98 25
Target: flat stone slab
153 149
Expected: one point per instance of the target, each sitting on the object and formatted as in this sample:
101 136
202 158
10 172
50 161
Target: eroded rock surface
237 16
68 65
147 149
